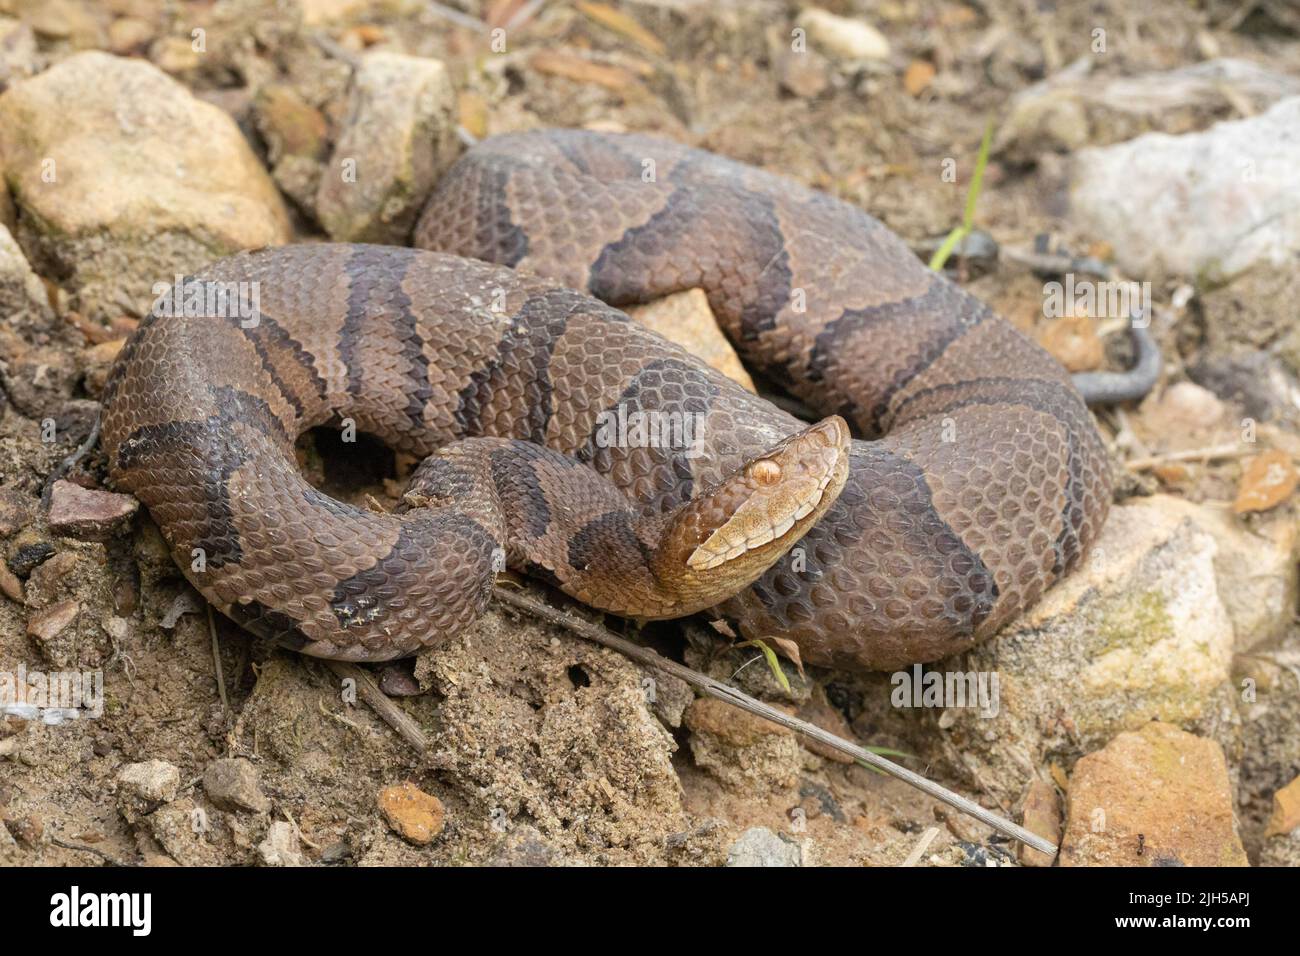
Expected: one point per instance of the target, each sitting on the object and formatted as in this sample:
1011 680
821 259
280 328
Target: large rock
1157 797
18 54
1161 200
1081 106
122 179
1139 632
398 138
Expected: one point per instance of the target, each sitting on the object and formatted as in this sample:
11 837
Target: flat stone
88 513
47 624
1160 200
759 846
1155 797
232 784
16 510
1040 814
151 181
151 780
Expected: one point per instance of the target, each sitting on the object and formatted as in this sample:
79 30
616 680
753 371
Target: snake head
724 539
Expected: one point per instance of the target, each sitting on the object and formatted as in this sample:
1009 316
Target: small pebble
414 815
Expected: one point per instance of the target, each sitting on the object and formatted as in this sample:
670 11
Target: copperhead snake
978 481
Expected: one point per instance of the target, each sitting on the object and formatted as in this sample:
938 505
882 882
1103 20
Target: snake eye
765 472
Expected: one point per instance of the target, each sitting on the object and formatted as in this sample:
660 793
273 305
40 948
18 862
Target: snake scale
978 480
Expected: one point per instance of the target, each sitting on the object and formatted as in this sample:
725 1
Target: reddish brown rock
1154 797
45 625
15 511
730 724
1286 810
10 586
1041 814
87 513
414 815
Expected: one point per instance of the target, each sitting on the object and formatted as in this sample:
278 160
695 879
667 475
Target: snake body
980 478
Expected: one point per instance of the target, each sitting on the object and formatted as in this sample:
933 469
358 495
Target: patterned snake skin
984 479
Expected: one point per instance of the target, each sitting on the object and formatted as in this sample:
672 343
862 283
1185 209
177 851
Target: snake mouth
784 493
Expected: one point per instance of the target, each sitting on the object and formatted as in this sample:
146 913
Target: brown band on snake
988 483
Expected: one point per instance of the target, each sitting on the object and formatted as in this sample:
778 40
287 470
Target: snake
954 474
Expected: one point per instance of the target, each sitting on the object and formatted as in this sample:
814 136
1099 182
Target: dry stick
714 688
1190 454
216 662
110 860
393 715
456 17
922 845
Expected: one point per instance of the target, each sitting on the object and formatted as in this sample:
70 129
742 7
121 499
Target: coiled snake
980 478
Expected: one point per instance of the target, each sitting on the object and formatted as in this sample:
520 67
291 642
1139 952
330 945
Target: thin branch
383 705
721 691
456 17
922 845
110 860
216 662
66 466
1210 453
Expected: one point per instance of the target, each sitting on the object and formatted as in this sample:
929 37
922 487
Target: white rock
759 846
843 37
150 780
398 138
281 847
1205 205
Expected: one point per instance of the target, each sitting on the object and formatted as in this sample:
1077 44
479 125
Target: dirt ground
546 749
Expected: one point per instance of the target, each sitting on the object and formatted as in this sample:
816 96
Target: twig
1210 453
393 715
110 860
730 695
523 15
1057 264
65 466
456 17
216 662
336 50
922 845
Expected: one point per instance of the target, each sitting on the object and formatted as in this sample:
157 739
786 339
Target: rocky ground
1156 692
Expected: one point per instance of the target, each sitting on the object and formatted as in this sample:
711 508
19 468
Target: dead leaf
473 112
1267 481
918 76
791 650
723 628
621 23
1286 810
582 71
